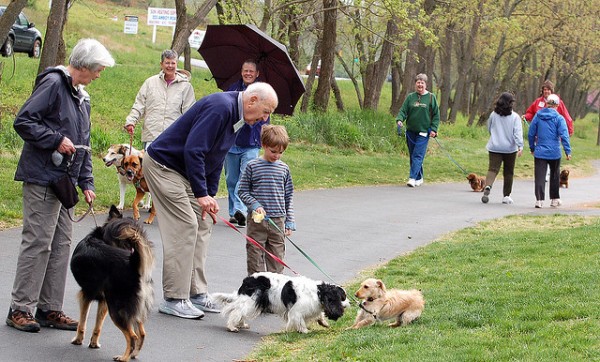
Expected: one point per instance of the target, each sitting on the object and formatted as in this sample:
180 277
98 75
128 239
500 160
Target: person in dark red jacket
182 169
540 103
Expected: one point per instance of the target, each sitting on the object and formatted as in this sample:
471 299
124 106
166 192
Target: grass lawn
514 289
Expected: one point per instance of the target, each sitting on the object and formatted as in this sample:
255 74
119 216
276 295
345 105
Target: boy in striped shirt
266 188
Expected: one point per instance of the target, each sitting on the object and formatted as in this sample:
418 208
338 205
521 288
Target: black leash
450 157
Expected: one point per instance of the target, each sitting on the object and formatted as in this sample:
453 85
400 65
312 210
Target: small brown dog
477 182
564 178
379 303
134 173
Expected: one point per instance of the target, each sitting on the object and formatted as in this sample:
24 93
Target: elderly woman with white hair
54 124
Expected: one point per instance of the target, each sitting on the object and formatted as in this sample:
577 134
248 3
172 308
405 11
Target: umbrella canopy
226 47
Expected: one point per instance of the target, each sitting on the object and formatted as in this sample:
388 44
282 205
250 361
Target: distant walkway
345 230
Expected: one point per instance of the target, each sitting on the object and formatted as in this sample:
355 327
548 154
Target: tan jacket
160 105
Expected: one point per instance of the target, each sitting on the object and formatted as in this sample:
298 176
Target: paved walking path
344 230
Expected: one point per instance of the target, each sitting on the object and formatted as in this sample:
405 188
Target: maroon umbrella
226 47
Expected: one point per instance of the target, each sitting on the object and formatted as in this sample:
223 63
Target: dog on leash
113 265
114 156
135 174
298 300
477 182
564 178
380 303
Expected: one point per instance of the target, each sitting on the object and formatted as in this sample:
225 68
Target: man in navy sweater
182 168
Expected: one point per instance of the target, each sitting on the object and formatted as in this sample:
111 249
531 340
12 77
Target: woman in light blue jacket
547 131
504 145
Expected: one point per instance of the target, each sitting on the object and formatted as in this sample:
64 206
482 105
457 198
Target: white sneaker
205 303
181 308
507 200
555 202
411 182
419 182
539 204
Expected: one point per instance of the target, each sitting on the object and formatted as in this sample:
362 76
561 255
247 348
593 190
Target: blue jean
235 163
417 148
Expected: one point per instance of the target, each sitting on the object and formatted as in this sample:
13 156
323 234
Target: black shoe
486 193
55 319
241 219
233 220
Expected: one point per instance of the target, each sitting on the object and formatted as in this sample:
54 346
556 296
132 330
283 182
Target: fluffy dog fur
297 300
477 182
564 178
113 265
135 173
114 156
379 303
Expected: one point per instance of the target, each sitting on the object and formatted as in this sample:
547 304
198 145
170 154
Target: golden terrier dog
378 304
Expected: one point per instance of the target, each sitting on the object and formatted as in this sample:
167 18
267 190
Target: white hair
263 91
90 54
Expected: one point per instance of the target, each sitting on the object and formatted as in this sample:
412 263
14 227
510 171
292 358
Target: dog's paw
94 345
120 207
77 341
121 358
233 329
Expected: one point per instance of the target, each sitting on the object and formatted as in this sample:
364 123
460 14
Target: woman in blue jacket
548 129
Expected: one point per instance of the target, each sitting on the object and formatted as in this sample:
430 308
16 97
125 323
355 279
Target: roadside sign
131 24
162 16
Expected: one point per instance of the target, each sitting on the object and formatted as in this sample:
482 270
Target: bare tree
186 24
54 49
328 46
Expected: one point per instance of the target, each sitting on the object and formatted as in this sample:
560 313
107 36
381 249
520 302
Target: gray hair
263 91
421 76
168 54
90 54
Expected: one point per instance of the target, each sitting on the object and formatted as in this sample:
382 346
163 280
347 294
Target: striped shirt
269 184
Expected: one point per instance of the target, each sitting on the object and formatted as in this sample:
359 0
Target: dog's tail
224 298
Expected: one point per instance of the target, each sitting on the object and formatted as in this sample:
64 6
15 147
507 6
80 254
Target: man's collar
240 123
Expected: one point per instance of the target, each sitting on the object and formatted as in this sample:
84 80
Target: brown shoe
22 321
56 319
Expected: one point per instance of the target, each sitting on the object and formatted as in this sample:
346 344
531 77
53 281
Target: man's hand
209 205
129 128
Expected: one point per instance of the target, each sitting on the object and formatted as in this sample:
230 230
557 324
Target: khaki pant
271 239
44 253
185 236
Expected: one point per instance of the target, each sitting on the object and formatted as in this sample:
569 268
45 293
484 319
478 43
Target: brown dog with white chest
135 173
564 178
477 182
380 303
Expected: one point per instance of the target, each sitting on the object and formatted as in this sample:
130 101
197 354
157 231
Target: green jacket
420 113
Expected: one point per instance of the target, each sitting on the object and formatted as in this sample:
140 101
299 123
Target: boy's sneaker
411 182
507 200
555 202
180 308
55 319
419 182
539 204
240 218
22 321
204 303
486 194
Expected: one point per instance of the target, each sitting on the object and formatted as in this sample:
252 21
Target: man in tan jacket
161 99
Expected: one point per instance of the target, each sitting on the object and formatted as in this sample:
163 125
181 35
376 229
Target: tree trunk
352 78
186 24
8 18
339 102
53 37
377 71
445 84
311 77
327 54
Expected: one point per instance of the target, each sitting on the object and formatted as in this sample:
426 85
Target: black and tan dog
135 173
564 178
113 265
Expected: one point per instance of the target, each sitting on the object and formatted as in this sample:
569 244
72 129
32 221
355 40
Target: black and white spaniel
298 300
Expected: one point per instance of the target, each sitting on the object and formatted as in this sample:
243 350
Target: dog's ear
380 284
114 213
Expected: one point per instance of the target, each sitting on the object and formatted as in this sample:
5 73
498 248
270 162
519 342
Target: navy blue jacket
195 145
53 111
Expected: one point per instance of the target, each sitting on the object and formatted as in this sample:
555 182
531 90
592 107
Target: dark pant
540 168
508 171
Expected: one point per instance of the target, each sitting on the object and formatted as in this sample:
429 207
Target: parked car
308 67
23 37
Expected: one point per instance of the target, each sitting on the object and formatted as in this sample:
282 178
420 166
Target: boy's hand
258 215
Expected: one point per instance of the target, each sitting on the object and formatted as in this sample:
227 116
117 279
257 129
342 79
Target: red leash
257 244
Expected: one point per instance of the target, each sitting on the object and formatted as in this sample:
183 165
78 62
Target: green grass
491 295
